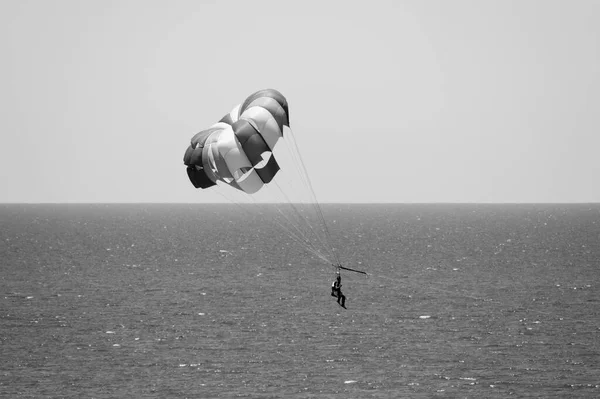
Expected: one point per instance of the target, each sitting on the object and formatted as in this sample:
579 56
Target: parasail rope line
320 212
325 228
305 242
256 211
301 239
289 218
301 236
293 155
303 179
302 219
294 150
298 236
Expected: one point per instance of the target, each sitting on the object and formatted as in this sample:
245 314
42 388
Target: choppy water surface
175 301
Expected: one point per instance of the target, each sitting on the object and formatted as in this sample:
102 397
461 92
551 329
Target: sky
469 101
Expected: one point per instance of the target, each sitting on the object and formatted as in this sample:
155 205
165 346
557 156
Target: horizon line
305 203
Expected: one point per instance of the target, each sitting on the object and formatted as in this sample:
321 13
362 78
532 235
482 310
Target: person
336 290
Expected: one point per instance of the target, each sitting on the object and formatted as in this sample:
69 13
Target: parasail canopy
238 150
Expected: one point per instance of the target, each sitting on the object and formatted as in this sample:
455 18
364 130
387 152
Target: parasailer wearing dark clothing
336 290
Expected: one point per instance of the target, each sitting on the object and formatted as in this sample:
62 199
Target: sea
208 301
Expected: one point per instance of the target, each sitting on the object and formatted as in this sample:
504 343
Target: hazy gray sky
390 101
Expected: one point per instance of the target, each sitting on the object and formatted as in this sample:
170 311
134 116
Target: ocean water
206 301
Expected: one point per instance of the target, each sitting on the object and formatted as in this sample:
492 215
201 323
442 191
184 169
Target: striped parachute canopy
237 150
